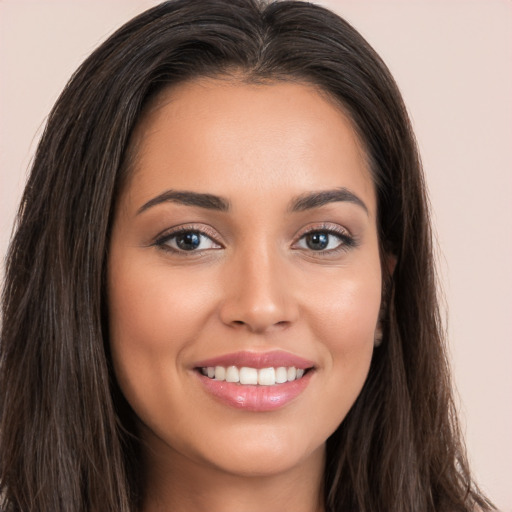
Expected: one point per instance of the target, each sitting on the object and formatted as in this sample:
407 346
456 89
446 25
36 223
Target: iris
188 241
317 241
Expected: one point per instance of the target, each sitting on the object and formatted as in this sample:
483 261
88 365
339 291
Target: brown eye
187 241
318 241
325 240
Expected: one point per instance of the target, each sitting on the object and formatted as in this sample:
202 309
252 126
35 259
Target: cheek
154 316
154 306
344 320
346 309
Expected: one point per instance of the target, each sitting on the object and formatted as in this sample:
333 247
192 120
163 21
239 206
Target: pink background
453 62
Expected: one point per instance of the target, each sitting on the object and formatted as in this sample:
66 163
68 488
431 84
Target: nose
258 293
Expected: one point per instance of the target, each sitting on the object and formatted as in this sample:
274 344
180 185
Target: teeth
281 375
253 376
220 373
267 377
248 375
232 374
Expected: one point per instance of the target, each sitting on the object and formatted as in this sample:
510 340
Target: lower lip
256 398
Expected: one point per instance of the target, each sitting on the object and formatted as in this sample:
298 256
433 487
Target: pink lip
258 360
256 398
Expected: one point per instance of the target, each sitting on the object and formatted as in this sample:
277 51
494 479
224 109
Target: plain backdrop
453 62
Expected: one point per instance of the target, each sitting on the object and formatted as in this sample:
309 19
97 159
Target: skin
254 284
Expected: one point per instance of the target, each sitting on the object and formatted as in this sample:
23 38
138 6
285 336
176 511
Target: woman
221 292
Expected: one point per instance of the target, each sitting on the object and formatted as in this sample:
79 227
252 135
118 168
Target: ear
379 335
388 267
389 264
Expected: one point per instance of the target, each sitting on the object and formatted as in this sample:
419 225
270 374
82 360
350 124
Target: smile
254 376
255 382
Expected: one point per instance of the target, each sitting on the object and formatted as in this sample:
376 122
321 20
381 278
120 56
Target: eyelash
162 241
347 241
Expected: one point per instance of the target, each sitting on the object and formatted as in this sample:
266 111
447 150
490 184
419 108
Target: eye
325 240
186 240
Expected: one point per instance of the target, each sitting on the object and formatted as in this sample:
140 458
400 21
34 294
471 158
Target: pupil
188 241
317 241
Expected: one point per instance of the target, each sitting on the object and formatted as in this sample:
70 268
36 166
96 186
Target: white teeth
252 376
248 375
281 375
266 377
232 374
220 373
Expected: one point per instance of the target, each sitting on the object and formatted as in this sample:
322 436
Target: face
244 277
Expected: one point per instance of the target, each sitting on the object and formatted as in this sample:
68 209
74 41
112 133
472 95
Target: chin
261 452
264 462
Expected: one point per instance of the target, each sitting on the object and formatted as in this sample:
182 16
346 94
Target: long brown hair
67 439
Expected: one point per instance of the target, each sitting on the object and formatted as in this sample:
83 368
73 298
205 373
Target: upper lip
274 358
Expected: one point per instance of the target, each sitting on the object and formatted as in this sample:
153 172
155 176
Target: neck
176 483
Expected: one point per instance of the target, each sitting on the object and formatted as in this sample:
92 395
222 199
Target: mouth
247 376
255 382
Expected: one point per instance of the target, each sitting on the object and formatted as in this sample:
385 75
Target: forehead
214 134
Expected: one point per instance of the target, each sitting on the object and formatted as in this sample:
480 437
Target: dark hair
67 439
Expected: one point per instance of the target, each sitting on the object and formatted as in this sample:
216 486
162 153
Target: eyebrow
316 199
208 201
301 203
